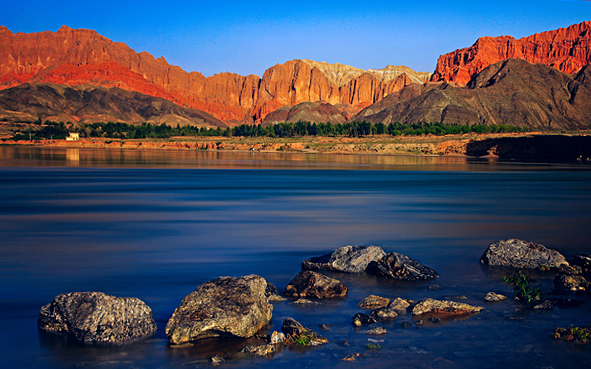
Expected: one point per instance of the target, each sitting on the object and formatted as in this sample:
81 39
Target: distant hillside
90 104
509 92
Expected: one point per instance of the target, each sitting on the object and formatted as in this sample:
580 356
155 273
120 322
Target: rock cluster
97 318
225 306
371 259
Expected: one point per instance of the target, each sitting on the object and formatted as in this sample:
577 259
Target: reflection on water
40 156
128 229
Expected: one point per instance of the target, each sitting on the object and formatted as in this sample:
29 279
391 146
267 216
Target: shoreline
511 146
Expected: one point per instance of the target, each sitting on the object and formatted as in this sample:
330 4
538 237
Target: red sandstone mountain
566 49
83 57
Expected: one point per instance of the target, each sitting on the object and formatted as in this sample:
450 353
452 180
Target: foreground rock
311 284
398 266
300 335
444 307
222 307
363 319
521 254
348 259
97 318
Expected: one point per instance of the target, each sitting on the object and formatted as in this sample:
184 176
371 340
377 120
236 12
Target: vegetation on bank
55 130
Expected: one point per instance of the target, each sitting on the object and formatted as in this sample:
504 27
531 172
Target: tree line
55 130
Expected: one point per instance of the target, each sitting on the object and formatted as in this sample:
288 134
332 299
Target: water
155 225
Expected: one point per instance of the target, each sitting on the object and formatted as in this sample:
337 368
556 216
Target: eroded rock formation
81 57
566 49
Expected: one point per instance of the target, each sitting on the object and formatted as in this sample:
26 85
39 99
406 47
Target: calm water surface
155 225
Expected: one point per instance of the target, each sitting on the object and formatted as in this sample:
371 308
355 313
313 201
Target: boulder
398 266
264 350
348 259
373 302
97 318
311 284
385 313
225 306
521 254
444 307
399 305
494 297
570 283
363 319
300 335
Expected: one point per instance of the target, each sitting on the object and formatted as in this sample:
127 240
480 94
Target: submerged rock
373 302
444 307
363 319
494 297
222 307
398 266
300 335
259 350
348 259
377 331
311 284
521 254
97 318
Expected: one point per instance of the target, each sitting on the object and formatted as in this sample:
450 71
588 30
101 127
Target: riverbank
518 146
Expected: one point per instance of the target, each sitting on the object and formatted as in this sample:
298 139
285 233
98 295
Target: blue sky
247 37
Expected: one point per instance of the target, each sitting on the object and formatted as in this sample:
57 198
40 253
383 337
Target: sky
248 37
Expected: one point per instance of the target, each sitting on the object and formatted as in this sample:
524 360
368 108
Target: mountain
566 49
91 104
83 57
511 92
313 112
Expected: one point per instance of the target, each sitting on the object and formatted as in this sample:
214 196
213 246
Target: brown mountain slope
313 112
566 49
83 57
509 92
91 104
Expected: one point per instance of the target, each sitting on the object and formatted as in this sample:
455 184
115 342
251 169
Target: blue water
126 229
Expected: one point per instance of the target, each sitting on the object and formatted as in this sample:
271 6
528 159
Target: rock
546 305
299 334
444 307
398 266
311 284
351 357
276 298
97 318
305 302
400 305
567 283
494 297
348 259
217 360
277 338
435 319
377 331
584 262
225 306
435 287
385 313
324 327
570 269
363 319
521 254
373 302
405 325
272 293
563 49
259 350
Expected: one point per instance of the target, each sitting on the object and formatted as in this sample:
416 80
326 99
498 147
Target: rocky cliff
83 57
566 49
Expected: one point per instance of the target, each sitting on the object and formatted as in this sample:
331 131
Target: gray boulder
521 254
225 306
398 266
311 284
348 259
97 318
300 335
